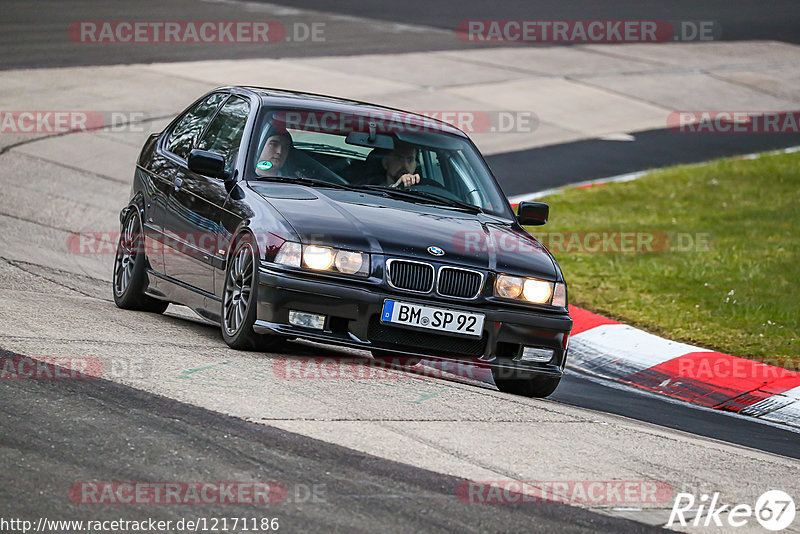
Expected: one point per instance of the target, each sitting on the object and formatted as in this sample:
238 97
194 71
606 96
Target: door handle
177 182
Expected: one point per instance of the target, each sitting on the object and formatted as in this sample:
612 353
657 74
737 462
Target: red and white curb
603 347
612 351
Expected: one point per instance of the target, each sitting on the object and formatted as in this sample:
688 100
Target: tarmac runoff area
58 304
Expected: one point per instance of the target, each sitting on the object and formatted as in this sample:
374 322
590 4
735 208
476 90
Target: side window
224 134
432 166
185 133
465 180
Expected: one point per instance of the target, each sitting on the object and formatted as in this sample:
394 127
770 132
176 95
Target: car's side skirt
206 304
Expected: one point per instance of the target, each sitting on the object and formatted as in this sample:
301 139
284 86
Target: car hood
397 228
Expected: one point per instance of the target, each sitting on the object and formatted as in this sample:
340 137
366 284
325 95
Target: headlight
529 290
349 262
509 287
289 254
537 291
319 258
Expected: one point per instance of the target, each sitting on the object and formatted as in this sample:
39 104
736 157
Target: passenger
273 160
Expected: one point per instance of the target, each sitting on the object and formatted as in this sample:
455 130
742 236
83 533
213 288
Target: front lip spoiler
350 340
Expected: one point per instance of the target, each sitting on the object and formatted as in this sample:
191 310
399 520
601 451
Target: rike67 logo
774 510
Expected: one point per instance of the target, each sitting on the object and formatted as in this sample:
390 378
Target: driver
398 167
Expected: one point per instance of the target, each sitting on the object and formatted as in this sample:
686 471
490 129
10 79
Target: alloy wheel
238 287
126 256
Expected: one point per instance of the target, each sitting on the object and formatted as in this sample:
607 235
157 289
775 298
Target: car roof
296 99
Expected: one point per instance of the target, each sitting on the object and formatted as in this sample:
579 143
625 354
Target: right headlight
531 290
321 258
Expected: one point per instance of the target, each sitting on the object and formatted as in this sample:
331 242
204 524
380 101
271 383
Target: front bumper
353 309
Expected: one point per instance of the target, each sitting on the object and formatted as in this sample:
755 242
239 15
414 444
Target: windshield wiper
431 198
311 182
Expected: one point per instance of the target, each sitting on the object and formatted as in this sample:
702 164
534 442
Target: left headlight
530 290
326 259
318 258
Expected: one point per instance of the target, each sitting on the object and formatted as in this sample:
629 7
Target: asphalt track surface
739 19
35 35
93 430
591 159
57 432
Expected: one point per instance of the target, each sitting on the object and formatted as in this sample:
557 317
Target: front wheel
537 387
129 277
239 300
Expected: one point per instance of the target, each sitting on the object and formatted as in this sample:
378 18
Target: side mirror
532 213
207 163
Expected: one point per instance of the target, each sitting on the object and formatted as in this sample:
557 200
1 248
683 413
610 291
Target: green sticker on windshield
264 165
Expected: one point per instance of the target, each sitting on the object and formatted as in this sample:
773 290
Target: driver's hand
407 180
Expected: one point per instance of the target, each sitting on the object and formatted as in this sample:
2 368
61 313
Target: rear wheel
239 300
391 359
129 277
538 387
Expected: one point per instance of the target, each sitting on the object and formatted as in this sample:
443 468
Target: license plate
443 320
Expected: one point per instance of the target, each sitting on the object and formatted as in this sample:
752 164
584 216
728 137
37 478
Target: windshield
413 161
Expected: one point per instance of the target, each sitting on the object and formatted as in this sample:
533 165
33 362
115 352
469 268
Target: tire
537 387
129 279
239 300
391 359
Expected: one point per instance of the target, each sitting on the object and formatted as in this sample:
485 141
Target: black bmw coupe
280 215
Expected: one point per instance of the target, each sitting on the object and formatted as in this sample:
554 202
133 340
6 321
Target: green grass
741 296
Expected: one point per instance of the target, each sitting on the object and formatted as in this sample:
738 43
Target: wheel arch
242 230
137 203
